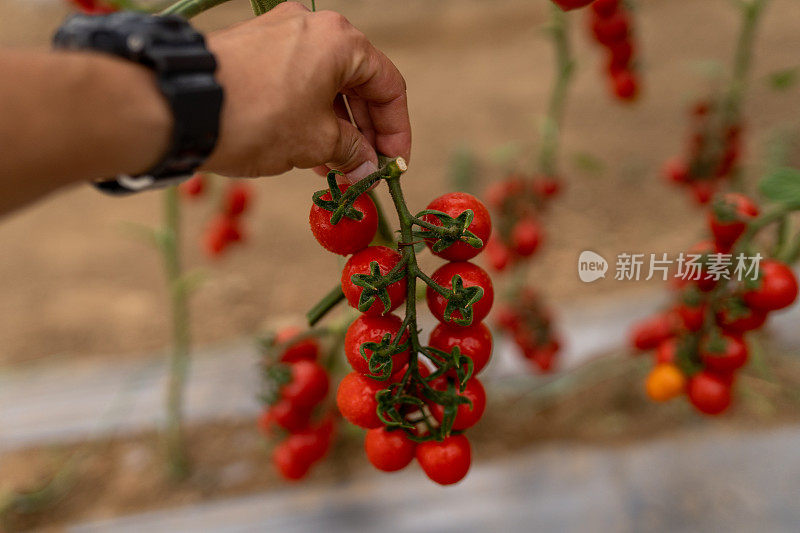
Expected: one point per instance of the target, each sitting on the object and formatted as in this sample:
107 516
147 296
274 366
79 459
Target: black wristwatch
185 70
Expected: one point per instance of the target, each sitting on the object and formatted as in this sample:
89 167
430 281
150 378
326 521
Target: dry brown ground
478 73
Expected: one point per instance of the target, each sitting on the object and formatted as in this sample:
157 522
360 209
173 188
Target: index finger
378 82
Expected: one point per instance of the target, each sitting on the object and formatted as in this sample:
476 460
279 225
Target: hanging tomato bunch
296 386
530 324
415 400
700 342
611 27
225 227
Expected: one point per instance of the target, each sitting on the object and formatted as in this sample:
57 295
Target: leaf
783 79
782 185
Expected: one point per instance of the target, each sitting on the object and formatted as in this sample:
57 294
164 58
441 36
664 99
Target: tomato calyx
381 361
452 230
375 285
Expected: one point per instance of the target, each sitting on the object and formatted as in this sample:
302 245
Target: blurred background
84 319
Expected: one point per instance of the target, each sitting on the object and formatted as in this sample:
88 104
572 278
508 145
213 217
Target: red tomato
445 462
605 8
736 210
308 384
194 186
93 7
454 204
288 462
777 287
752 319
544 357
359 263
567 5
474 341
389 451
289 416
650 332
611 30
620 55
221 231
372 329
667 351
265 421
356 400
498 254
723 355
311 444
546 186
466 416
301 350
703 191
472 276
525 237
625 85
709 393
705 282
692 317
676 170
348 236
236 200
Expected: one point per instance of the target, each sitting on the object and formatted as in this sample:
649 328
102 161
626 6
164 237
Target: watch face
135 184
124 184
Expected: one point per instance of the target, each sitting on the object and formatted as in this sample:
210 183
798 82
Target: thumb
353 155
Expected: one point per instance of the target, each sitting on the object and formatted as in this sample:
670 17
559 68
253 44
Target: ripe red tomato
289 416
288 462
691 317
709 393
473 276
752 319
525 237
372 329
348 236
703 191
311 444
308 384
466 416
498 254
625 85
650 332
445 462
611 30
474 341
619 57
605 8
93 7
567 5
777 287
667 351
389 451
454 204
356 400
725 354
727 229
236 200
498 192
222 231
301 350
194 186
676 170
544 356
546 186
359 263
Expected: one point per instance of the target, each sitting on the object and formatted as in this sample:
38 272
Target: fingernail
365 169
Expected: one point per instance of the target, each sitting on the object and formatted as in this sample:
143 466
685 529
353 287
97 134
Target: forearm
67 117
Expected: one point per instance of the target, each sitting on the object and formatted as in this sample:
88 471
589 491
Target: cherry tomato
359 263
544 356
472 276
311 444
474 341
289 416
750 320
498 254
724 354
308 384
445 462
709 393
301 350
288 462
605 8
568 5
728 218
221 231
466 416
650 332
348 235
777 287
703 191
619 57
372 329
194 186
667 351
454 204
93 7
676 170
625 85
691 317
236 200
265 422
664 382
498 192
546 186
389 451
356 400
525 237
611 30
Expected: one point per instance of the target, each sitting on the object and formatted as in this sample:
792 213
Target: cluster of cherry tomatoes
414 401
517 201
530 324
225 227
700 341
297 386
610 23
713 151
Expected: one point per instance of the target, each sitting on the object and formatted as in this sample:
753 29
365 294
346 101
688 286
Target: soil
601 403
75 284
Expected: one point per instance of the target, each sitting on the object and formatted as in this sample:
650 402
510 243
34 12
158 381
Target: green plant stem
384 231
190 8
328 302
551 125
743 59
179 358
